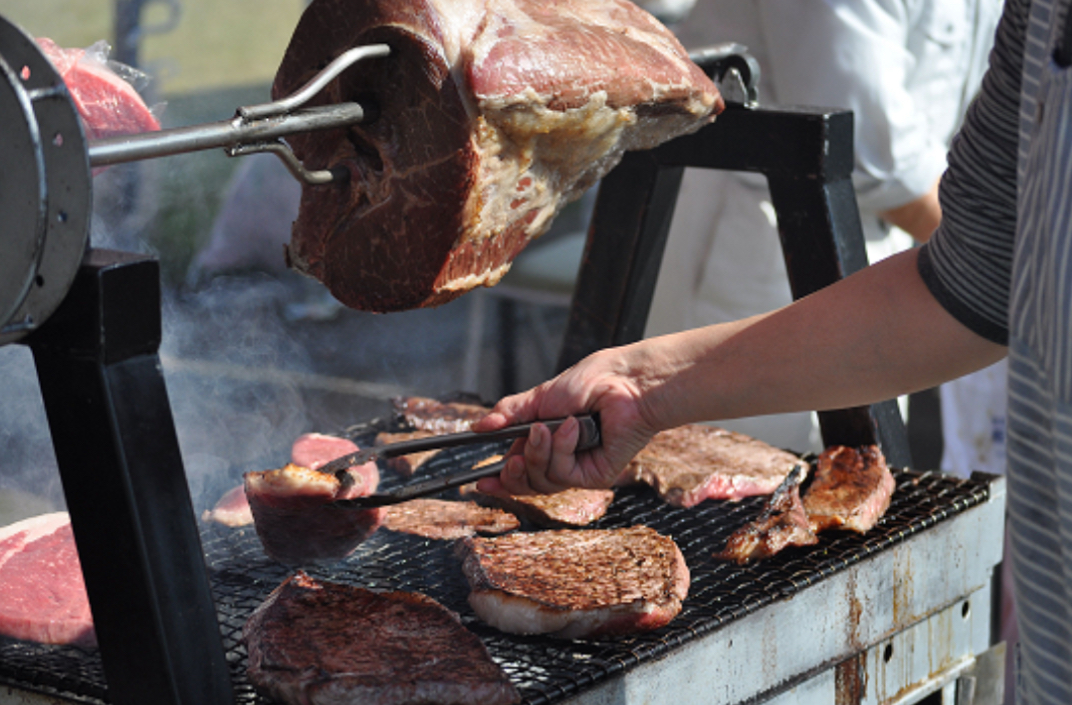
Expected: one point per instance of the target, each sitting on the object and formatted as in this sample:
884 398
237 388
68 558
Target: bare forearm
918 218
873 336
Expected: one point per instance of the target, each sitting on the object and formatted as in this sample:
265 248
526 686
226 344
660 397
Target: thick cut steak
42 593
781 523
443 519
291 505
574 507
491 116
851 489
323 643
232 509
406 465
691 463
575 583
437 417
108 105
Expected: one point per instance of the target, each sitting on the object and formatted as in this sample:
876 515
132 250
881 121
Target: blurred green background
211 57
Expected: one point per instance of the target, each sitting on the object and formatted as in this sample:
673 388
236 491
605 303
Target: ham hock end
491 115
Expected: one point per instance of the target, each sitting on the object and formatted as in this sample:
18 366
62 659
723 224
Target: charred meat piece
691 463
294 519
575 584
782 523
574 507
437 417
42 593
406 465
232 509
442 519
320 643
851 489
491 116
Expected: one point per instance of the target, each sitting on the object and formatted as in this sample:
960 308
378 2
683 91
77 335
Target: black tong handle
589 437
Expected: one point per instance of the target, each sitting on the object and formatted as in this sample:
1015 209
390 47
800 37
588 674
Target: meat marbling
575 583
695 462
491 116
324 643
43 594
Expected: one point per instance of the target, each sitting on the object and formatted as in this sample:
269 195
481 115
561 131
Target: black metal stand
125 487
807 157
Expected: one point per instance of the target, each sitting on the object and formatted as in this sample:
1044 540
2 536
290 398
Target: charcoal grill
889 617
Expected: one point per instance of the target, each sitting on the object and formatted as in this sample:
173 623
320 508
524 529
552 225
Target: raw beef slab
575 583
43 593
491 115
108 105
323 643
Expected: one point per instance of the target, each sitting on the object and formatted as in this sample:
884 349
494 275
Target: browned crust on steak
317 643
442 519
781 523
575 507
406 465
576 583
851 489
438 417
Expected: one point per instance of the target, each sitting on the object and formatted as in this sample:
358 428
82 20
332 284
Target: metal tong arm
251 128
589 437
422 489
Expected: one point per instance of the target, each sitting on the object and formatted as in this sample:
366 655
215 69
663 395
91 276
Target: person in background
994 281
908 70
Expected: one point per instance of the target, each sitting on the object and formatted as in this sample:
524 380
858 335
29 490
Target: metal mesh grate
543 669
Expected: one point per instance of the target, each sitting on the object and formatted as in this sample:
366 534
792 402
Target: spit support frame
806 154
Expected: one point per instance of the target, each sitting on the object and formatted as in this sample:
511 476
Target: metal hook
293 164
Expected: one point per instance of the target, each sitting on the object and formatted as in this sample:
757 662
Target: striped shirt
1001 263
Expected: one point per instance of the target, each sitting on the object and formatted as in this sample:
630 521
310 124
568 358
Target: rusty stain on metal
849 681
903 589
856 610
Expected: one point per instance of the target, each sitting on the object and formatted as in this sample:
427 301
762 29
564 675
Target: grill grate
543 669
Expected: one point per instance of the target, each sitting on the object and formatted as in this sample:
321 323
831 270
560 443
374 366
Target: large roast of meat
491 115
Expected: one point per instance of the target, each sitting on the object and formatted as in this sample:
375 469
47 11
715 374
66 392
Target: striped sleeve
967 265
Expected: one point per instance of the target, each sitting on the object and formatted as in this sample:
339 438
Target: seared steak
574 507
782 523
293 518
406 465
851 489
42 593
691 463
492 115
322 643
441 519
575 584
435 417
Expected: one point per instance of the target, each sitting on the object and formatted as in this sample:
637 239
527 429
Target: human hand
545 463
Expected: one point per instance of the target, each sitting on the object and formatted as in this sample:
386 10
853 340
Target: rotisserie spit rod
254 128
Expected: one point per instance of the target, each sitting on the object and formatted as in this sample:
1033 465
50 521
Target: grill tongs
588 438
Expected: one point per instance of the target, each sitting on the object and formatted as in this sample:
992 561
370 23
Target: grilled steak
441 519
574 507
492 115
781 523
43 594
851 489
406 465
290 505
232 509
321 643
436 417
575 584
691 463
